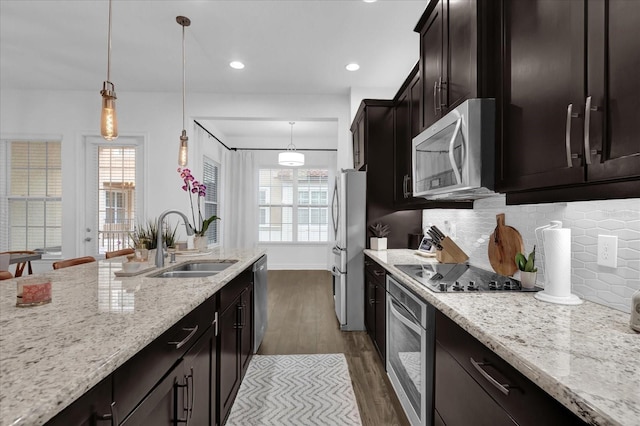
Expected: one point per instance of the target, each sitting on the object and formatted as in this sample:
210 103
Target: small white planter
378 243
528 279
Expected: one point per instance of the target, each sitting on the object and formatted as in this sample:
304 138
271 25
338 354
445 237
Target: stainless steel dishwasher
259 301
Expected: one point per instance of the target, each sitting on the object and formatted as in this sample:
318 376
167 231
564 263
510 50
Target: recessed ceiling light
236 65
369 1
352 67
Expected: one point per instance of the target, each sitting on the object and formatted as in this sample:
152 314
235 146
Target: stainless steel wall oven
410 340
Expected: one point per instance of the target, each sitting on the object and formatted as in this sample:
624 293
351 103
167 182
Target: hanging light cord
109 48
291 146
184 79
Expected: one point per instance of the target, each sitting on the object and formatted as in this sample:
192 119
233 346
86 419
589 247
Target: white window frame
294 206
6 197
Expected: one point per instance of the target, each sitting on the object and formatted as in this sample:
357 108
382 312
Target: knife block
450 252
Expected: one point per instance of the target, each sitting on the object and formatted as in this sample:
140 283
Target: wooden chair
5 275
73 262
117 253
20 266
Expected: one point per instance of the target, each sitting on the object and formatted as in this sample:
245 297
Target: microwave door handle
452 159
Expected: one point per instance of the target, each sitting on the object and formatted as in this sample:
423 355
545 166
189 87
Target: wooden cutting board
505 242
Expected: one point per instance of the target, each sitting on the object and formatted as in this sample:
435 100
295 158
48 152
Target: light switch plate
608 250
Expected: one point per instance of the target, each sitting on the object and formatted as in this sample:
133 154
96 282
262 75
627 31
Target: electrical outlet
608 250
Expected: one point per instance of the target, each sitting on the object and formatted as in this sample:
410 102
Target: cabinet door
613 52
246 329
460 41
369 304
381 321
228 373
543 84
92 408
359 159
453 385
166 404
199 370
431 67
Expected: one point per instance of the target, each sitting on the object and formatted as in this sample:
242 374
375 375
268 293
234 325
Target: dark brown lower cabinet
375 306
191 373
92 408
474 386
236 341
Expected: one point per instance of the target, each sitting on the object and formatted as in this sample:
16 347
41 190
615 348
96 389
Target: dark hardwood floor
302 321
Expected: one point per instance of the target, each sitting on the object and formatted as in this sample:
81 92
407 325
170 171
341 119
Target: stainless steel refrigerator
348 213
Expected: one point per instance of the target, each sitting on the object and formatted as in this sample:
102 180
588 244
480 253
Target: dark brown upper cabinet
569 101
456 55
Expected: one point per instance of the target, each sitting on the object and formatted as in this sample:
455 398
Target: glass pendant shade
108 117
183 153
291 158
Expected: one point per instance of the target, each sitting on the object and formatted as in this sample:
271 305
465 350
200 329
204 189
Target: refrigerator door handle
335 272
337 250
335 209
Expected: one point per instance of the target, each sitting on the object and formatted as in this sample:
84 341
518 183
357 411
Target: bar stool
20 266
117 253
4 266
73 262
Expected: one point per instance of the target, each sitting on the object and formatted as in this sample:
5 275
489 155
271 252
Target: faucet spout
159 242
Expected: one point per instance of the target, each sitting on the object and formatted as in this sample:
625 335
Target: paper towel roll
557 262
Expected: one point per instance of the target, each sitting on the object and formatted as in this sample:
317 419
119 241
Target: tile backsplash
612 287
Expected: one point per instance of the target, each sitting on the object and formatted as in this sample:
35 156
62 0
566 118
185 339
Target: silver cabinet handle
567 138
587 125
181 343
378 272
435 97
215 324
113 415
504 388
440 97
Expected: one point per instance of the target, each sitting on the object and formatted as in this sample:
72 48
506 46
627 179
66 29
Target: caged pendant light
290 157
108 117
183 153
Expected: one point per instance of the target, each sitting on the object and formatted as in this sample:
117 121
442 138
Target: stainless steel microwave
455 158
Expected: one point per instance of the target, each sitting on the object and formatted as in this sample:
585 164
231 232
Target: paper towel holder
555 292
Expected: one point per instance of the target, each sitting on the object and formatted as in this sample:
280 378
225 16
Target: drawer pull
113 415
378 272
504 388
186 339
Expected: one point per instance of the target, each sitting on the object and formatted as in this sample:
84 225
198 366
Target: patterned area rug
296 390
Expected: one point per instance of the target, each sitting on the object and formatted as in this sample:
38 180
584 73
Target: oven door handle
403 319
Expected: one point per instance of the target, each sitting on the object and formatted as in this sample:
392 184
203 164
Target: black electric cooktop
461 278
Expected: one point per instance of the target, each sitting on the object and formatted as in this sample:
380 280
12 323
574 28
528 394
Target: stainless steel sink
195 269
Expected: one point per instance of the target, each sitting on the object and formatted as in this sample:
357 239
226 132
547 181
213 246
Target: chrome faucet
160 243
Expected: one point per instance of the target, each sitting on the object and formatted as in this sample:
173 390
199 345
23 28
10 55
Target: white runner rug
296 390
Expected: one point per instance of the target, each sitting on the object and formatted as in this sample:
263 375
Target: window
293 205
116 196
211 171
34 196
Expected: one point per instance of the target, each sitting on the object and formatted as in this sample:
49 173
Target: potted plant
145 236
200 223
527 267
379 239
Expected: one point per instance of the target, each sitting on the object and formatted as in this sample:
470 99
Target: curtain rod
259 149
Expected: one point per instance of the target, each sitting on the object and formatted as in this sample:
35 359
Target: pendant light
108 118
290 157
183 153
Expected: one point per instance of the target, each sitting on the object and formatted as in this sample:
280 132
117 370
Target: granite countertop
52 354
585 356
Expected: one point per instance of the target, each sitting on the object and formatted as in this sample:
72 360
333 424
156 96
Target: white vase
528 279
378 243
200 243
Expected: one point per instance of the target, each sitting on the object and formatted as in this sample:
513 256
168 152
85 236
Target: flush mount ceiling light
183 153
108 117
352 67
236 65
290 157
369 1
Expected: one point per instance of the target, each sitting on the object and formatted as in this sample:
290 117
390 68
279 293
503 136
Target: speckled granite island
585 356
52 354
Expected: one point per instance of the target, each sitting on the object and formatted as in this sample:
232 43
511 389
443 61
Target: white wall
612 287
158 117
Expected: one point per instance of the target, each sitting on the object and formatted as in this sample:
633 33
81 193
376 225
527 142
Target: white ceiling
289 47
